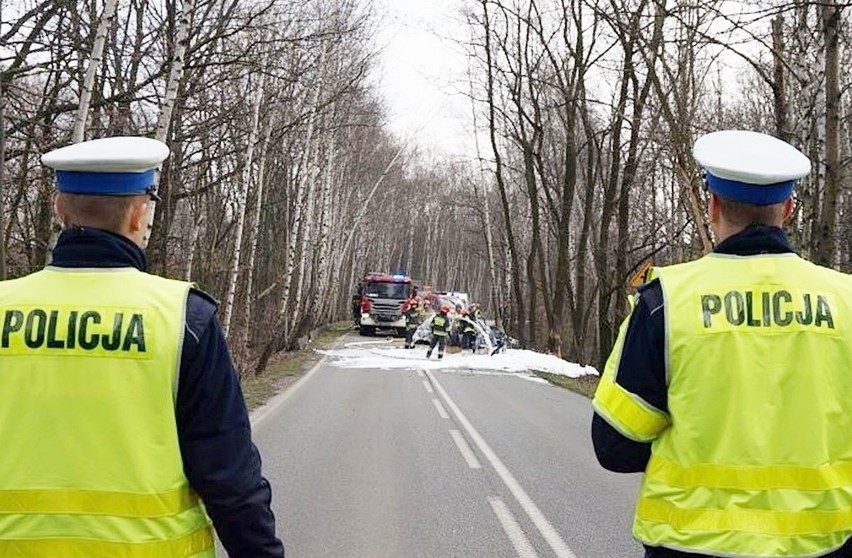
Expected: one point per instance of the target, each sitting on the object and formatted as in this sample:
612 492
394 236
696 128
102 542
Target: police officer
440 330
120 410
729 383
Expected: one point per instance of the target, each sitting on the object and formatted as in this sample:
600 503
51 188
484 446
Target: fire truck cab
381 297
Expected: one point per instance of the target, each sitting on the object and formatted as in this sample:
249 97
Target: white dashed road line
442 412
554 540
428 387
519 540
465 450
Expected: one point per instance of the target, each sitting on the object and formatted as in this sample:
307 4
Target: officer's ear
58 207
789 206
714 211
138 214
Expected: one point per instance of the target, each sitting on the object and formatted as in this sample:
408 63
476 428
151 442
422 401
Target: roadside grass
584 385
288 366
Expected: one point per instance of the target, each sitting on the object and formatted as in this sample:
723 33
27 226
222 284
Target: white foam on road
517 361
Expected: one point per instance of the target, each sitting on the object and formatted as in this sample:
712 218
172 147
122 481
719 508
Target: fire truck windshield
398 291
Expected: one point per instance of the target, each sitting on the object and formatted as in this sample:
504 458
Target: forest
285 185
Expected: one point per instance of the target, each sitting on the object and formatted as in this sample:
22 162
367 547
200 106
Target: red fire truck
378 302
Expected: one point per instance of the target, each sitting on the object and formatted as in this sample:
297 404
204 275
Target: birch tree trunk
104 24
827 237
305 237
193 239
164 120
329 282
255 229
2 177
346 237
520 317
301 195
779 90
322 271
410 251
494 291
483 195
82 116
245 183
365 205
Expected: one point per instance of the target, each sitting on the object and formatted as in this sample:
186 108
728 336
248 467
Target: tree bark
164 119
518 303
245 184
2 177
826 248
104 24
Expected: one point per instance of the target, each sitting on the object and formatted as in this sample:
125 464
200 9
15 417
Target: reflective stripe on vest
757 460
439 326
88 380
626 412
194 545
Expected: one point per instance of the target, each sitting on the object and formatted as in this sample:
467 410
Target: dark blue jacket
642 369
219 458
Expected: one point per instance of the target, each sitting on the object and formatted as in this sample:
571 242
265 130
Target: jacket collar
754 240
90 247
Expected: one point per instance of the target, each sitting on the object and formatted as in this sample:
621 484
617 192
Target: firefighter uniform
728 387
467 331
440 331
412 321
120 408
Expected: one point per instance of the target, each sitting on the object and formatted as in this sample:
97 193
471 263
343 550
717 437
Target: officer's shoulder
830 271
651 295
658 271
651 285
200 309
203 297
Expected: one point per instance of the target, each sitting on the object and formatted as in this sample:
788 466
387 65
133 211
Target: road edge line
513 530
261 413
465 450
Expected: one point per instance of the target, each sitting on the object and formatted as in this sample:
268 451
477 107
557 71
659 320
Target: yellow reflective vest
91 465
754 457
440 325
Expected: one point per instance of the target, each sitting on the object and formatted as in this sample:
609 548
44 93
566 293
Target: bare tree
104 24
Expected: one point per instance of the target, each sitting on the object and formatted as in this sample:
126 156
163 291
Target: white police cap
749 166
117 166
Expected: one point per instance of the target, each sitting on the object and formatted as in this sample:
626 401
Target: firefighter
412 321
467 331
123 424
425 310
729 382
440 330
475 312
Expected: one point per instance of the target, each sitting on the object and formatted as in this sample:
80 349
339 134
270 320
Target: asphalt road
406 463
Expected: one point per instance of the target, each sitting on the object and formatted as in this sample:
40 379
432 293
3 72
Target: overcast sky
421 72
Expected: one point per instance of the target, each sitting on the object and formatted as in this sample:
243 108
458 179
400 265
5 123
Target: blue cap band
105 183
755 194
